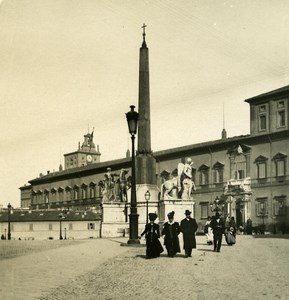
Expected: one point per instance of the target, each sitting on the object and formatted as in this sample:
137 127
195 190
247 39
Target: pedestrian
218 226
188 228
171 230
152 235
209 231
230 237
233 225
249 227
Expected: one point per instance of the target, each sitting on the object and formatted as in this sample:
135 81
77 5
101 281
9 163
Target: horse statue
182 184
168 186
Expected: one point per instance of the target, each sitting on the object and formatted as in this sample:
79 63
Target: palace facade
248 174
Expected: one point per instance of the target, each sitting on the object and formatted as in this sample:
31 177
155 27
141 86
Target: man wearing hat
218 226
171 231
152 235
188 228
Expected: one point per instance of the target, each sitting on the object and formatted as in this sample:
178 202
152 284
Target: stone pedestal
178 206
114 220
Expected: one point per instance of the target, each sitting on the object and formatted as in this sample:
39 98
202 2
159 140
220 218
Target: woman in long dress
152 235
171 230
209 231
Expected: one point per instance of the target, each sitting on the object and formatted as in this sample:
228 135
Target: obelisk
145 162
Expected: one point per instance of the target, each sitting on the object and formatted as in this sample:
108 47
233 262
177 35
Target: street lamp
60 226
132 118
65 233
215 206
9 215
147 197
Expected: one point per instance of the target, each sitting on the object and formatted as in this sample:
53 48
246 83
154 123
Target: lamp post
132 118
9 221
60 226
147 197
215 206
65 233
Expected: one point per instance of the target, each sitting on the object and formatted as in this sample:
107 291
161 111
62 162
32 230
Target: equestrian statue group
114 186
181 185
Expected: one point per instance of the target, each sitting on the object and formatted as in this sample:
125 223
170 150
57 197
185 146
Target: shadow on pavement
207 250
271 236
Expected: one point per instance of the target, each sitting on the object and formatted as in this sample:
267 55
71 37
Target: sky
69 66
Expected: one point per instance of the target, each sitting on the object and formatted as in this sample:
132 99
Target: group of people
216 227
170 231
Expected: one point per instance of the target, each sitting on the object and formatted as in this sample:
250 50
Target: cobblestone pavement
30 275
254 268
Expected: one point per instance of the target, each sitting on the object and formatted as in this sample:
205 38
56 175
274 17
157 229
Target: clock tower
86 154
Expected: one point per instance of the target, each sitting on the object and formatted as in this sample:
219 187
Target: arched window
83 191
218 172
68 193
76 192
204 175
92 186
60 194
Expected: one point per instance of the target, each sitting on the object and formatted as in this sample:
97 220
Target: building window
30 227
68 193
279 206
204 210
204 175
281 114
218 171
240 166
92 190
261 207
91 226
261 164
50 226
53 195
262 118
261 170
70 226
75 192
46 196
280 163
83 191
60 194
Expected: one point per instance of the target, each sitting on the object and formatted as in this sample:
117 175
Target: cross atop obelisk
144 35
144 31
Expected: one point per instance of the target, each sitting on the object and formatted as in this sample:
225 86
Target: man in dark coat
218 226
188 228
171 231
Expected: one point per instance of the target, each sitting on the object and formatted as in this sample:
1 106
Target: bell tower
86 154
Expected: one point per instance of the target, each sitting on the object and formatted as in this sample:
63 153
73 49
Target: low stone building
50 224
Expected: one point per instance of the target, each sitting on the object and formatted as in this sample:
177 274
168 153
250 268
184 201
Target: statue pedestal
114 221
178 206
